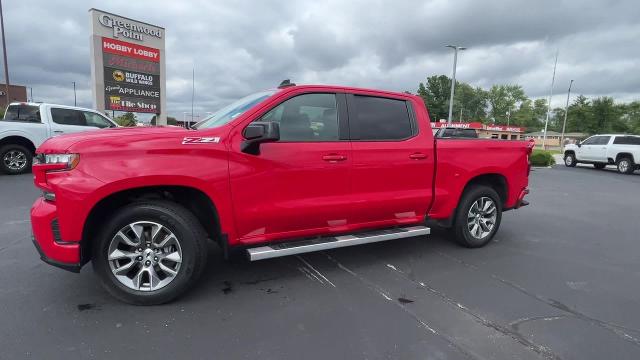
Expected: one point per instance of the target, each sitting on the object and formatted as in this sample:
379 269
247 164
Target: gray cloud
243 46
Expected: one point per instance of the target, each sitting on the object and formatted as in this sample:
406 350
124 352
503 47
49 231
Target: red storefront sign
504 128
471 125
128 49
477 126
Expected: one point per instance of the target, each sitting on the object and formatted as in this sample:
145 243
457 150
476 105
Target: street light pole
75 101
546 122
566 111
4 53
453 79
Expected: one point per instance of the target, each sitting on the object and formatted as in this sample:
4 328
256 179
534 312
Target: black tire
192 240
460 230
10 167
570 160
599 166
625 165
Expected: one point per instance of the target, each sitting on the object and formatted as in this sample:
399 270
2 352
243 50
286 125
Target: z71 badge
200 140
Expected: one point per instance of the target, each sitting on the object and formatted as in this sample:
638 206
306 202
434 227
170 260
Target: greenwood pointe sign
127 65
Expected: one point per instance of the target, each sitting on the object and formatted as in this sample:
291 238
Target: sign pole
4 53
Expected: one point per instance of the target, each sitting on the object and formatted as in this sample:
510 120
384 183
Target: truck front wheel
150 252
15 159
477 217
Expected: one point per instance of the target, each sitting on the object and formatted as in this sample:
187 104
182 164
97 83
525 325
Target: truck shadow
268 277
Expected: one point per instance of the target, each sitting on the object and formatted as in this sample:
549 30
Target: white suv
601 150
27 125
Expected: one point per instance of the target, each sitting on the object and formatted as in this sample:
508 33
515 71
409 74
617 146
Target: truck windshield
233 110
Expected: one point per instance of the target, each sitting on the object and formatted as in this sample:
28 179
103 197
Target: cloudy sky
238 47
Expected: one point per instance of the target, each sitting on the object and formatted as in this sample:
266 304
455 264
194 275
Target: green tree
469 104
170 121
503 99
606 115
127 119
435 94
631 115
580 118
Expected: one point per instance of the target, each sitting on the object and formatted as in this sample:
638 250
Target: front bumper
52 249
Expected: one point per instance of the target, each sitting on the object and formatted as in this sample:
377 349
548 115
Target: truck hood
64 142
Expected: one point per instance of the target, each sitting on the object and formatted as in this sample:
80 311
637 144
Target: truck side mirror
257 133
579 143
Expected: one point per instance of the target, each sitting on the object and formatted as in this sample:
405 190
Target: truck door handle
418 156
334 157
58 131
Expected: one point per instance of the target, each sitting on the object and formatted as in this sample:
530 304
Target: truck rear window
24 113
627 140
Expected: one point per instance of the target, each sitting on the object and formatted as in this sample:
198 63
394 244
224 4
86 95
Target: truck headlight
56 161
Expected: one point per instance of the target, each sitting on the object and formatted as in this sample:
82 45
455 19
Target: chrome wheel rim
623 166
144 256
15 160
568 160
481 218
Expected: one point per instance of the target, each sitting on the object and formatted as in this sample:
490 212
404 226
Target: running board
333 242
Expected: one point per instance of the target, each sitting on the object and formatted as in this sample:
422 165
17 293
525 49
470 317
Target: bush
542 158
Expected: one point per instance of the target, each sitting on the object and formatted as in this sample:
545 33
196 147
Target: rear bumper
52 249
521 201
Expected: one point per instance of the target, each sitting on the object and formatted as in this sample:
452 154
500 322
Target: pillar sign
127 65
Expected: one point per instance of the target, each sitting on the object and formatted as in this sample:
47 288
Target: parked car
453 132
280 172
27 125
600 150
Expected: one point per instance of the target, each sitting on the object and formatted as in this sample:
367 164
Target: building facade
16 93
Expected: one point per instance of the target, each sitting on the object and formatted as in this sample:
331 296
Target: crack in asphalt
515 325
385 294
510 332
616 329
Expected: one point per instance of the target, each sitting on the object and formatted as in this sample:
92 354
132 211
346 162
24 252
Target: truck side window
67 117
96 120
602 140
380 118
308 117
627 140
23 113
590 141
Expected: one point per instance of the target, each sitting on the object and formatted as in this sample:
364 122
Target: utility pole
453 79
508 115
193 93
31 93
75 102
566 111
4 53
546 122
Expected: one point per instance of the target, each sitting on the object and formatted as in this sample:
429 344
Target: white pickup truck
27 125
602 150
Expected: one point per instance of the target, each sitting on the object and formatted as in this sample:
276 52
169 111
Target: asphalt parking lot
560 280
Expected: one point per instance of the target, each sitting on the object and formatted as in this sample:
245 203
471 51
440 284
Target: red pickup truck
279 172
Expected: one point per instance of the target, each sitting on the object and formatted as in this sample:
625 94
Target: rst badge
200 140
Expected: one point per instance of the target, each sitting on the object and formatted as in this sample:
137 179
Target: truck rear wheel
625 165
150 252
477 217
15 159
